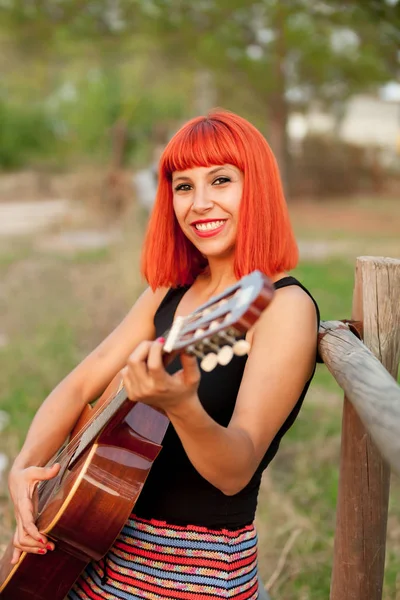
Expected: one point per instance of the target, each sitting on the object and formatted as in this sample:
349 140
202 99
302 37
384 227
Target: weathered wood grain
371 397
370 388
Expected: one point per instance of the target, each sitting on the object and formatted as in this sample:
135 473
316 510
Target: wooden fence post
363 496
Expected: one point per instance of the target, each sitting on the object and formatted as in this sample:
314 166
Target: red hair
265 238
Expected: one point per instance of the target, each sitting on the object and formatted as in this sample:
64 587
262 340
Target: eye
182 187
221 180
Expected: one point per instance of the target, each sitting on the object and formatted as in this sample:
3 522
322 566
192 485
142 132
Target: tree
270 56
286 53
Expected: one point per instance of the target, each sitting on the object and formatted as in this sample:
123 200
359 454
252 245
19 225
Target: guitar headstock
214 331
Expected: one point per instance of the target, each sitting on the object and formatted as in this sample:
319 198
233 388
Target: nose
202 201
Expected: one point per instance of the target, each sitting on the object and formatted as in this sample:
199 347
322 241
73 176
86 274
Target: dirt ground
374 216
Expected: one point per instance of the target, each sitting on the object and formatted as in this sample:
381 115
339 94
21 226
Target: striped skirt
154 560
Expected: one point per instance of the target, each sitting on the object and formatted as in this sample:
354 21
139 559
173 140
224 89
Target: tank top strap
164 314
285 282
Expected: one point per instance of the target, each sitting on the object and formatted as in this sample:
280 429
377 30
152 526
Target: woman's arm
62 408
280 362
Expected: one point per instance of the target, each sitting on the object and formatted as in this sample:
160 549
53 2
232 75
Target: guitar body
84 508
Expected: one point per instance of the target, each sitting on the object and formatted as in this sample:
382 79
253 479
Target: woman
219 214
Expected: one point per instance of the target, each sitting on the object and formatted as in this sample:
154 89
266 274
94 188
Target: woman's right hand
22 486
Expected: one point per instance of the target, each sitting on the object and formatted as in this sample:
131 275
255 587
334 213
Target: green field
60 306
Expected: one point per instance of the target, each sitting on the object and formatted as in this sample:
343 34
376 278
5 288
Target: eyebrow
212 172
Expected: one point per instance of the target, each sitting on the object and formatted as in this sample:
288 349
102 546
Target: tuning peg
228 338
209 362
208 343
241 347
225 355
194 351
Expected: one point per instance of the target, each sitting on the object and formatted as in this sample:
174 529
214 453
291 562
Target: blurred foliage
87 109
153 63
332 168
26 132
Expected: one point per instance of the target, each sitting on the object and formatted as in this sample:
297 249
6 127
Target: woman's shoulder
167 295
147 305
293 308
155 297
293 290
292 313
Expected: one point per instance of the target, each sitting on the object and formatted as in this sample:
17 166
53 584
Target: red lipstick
208 232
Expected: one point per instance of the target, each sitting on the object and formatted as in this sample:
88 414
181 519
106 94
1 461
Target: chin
220 252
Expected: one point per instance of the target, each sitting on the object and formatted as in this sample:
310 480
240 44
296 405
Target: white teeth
208 226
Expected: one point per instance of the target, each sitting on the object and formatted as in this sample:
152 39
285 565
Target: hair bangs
201 143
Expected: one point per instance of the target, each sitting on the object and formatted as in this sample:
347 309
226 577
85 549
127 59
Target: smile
208 228
209 225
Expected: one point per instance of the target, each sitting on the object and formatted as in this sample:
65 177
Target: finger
26 521
23 541
43 473
16 556
190 368
137 362
140 353
135 373
28 544
31 549
127 382
154 361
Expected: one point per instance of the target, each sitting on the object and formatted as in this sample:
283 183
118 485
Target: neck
219 274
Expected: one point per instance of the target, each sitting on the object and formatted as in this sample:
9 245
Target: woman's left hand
146 380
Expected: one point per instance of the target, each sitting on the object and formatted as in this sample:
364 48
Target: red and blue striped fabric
152 560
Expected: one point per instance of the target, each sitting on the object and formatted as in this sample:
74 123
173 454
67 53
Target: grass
59 307
11 255
31 369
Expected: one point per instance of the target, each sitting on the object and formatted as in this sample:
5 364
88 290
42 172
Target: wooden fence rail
370 388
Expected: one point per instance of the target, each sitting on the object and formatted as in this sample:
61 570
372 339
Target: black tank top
175 492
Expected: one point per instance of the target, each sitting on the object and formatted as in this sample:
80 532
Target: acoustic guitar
106 461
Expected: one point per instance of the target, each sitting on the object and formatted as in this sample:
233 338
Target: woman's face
206 204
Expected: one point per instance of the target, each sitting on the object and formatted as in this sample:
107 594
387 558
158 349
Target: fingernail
41 540
49 547
42 551
160 340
